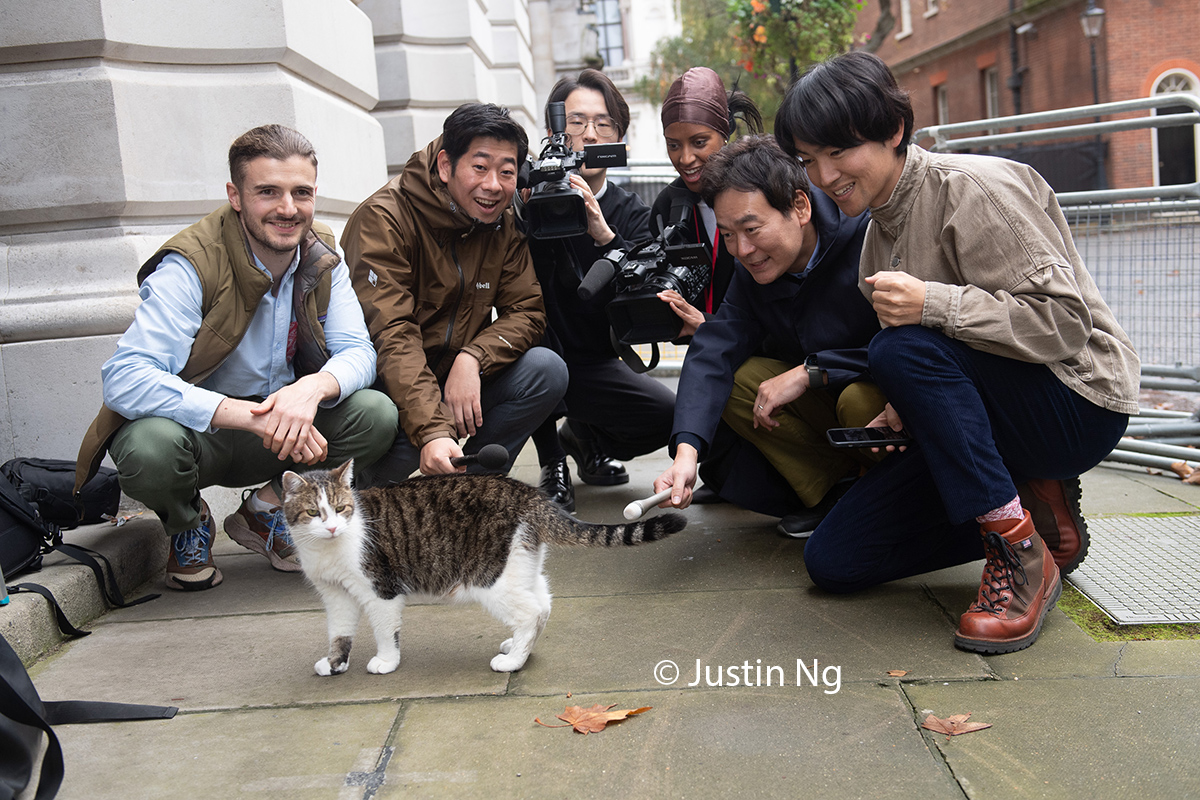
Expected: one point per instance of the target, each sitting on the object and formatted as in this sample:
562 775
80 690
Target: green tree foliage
759 45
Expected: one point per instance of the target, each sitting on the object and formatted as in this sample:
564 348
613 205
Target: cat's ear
344 473
291 482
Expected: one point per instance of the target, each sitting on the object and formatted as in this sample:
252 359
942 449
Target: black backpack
25 538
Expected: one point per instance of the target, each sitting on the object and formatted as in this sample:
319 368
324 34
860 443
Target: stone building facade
116 116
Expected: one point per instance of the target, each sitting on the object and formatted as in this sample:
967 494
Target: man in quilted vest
247 356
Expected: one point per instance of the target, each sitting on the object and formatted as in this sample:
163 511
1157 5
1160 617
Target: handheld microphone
490 456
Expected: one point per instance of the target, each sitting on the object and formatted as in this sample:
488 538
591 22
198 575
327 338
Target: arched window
1175 149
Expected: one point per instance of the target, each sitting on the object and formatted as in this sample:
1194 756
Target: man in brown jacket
431 254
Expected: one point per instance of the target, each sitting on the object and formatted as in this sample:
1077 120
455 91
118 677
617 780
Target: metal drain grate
1143 569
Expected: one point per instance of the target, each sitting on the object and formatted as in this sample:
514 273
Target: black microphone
490 456
597 278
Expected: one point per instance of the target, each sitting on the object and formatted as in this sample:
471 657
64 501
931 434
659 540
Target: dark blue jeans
982 423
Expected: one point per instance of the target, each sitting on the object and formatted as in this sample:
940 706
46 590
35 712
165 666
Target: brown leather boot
1054 506
1020 584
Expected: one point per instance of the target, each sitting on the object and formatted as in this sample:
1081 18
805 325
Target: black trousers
626 414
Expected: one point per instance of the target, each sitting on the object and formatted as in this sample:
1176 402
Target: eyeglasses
604 126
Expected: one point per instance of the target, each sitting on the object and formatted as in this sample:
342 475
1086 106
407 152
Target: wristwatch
816 375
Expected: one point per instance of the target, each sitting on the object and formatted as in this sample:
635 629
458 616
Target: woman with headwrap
698 118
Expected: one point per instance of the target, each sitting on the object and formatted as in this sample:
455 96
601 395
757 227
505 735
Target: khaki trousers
798 448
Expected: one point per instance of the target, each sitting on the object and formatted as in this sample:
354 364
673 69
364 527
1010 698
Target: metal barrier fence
1145 257
1142 245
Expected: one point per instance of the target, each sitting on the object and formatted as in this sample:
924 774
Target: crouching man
784 359
247 356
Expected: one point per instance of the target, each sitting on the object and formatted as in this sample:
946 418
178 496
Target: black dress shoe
595 467
555 483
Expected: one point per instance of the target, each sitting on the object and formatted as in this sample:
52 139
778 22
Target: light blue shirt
142 378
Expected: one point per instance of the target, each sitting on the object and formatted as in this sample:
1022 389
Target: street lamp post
1092 20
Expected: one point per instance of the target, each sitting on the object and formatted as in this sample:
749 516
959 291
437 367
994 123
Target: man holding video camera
431 254
785 357
611 411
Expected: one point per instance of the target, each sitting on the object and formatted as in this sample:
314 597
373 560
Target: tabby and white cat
453 537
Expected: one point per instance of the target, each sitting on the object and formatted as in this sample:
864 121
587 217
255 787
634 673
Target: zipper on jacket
462 287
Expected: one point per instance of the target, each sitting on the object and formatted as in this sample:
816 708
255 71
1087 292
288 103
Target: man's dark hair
267 141
843 102
618 109
755 164
472 121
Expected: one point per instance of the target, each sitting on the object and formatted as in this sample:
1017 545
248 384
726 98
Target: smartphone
867 437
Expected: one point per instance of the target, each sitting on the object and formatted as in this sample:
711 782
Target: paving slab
250 586
612 643
311 752
1177 658
1122 489
756 742
704 556
1085 738
267 660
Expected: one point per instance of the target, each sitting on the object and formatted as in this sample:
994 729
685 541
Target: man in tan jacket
997 352
431 255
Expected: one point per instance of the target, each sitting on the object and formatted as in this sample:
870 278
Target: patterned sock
1010 510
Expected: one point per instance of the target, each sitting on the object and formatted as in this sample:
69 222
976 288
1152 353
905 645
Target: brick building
975 59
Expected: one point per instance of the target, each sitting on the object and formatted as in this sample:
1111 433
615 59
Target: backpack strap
20 703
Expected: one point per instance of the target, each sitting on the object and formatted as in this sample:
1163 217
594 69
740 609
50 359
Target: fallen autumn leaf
592 720
953 725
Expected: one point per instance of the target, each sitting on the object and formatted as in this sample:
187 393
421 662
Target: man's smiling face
484 179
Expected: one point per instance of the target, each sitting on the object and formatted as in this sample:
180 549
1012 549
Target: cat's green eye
341 508
312 512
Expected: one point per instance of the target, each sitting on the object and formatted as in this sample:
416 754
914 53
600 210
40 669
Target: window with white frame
991 92
942 99
905 19
1176 149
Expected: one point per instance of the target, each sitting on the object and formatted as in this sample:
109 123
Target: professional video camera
636 314
555 209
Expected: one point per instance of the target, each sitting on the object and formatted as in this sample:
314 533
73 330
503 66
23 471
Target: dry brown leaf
897 673
1182 469
953 725
1194 478
592 720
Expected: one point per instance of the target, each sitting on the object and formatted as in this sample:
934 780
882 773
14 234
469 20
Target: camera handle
630 356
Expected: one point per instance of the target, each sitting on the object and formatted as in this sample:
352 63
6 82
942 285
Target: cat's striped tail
571 531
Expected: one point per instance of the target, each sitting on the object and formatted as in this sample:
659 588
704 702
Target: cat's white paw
379 666
508 663
324 669
506 646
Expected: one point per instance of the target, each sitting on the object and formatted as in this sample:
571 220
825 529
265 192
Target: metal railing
1142 246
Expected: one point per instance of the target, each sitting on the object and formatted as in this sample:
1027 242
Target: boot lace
1002 571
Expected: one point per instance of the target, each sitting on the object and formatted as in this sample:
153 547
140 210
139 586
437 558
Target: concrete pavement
1070 717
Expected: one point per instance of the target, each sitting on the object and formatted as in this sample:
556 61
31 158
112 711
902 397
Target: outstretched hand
680 477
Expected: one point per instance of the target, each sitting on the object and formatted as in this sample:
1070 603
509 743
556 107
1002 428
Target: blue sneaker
265 533
190 566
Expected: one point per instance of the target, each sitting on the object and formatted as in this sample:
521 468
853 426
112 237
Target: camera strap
630 356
